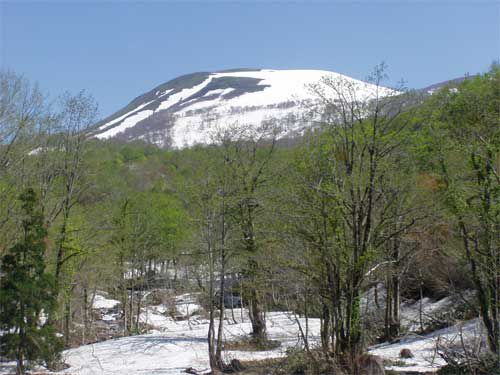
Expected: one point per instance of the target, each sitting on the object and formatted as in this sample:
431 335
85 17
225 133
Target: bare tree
63 180
354 217
247 155
23 118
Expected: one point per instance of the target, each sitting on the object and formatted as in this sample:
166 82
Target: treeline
401 191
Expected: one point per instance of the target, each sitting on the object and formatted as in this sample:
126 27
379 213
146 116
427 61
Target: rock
369 364
236 365
405 353
191 370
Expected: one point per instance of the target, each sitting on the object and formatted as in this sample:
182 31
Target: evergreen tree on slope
27 294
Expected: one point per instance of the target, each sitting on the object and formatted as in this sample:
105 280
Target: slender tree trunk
20 363
396 321
211 291
67 320
218 351
20 353
138 311
85 316
421 307
130 310
388 307
325 329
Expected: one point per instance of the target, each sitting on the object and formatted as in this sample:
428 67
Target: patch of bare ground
250 345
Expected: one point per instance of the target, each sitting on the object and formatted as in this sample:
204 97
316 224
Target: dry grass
262 367
250 345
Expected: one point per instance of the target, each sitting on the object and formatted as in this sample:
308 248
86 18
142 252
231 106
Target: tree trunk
218 350
85 316
67 320
138 312
20 359
325 329
396 302
258 322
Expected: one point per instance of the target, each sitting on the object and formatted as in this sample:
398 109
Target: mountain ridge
181 112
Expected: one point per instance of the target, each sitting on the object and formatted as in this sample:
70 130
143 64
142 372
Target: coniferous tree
27 293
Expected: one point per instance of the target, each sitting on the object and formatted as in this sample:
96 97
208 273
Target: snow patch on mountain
123 117
182 95
127 123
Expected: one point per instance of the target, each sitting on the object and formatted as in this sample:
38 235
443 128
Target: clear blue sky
117 50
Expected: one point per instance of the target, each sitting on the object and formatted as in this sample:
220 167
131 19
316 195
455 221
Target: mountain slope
186 110
452 82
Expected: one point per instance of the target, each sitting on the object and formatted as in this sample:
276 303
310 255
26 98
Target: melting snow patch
424 348
127 123
101 302
179 345
116 120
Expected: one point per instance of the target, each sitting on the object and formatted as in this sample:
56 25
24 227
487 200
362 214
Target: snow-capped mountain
184 111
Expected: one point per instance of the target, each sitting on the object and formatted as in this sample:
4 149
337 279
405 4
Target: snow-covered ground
424 348
410 312
101 302
175 346
179 342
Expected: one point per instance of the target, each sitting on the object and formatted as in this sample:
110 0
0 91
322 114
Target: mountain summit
183 112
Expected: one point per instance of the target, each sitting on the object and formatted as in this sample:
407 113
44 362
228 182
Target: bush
299 362
486 364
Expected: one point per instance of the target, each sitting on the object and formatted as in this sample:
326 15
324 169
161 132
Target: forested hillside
384 203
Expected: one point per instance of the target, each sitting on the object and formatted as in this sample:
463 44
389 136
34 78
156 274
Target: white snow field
176 345
284 95
173 346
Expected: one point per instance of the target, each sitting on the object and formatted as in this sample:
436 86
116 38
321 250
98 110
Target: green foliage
466 125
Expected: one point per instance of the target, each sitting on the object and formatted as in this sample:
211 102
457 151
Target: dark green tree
27 293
